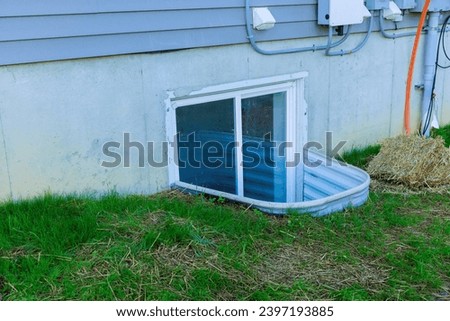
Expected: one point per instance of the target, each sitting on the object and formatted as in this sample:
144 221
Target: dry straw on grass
413 161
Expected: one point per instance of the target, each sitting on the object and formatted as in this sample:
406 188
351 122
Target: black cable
443 31
441 43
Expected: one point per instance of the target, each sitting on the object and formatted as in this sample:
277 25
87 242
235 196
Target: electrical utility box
435 6
406 4
341 13
377 4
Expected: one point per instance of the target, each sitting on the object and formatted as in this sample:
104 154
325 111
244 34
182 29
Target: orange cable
407 111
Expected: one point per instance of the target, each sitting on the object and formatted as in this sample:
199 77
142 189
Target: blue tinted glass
205 141
264 129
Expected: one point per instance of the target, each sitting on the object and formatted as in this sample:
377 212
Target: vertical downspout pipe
431 47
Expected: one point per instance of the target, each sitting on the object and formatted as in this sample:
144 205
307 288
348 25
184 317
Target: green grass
176 247
360 157
444 132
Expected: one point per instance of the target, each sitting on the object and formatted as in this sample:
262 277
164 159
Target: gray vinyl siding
45 30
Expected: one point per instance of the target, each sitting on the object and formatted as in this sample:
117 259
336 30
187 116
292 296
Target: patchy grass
360 157
177 247
444 132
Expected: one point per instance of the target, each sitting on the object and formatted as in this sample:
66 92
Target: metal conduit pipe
349 51
393 35
431 47
255 46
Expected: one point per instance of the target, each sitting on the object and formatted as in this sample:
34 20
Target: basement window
243 141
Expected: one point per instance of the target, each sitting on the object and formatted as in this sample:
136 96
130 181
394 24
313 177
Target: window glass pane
205 141
264 130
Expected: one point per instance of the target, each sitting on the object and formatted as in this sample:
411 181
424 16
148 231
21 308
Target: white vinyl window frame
296 127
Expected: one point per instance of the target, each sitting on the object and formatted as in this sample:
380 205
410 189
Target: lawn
173 246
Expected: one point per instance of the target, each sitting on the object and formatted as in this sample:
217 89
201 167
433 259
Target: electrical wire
441 44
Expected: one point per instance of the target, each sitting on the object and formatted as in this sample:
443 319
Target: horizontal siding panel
13 52
45 30
409 21
43 27
11 8
71 48
106 45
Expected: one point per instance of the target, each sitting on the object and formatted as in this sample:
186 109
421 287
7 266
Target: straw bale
413 160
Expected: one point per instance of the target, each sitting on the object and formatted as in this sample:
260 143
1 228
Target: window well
245 141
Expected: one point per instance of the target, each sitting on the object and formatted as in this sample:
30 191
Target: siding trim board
33 31
45 27
12 8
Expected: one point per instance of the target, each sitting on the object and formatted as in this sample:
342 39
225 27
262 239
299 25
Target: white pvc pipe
431 47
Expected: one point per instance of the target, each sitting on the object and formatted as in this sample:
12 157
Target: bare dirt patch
317 265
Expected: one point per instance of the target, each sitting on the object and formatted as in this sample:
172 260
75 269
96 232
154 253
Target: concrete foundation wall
55 117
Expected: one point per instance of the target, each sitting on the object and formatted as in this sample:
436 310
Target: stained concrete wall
55 117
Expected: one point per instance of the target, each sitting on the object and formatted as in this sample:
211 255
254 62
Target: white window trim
296 125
